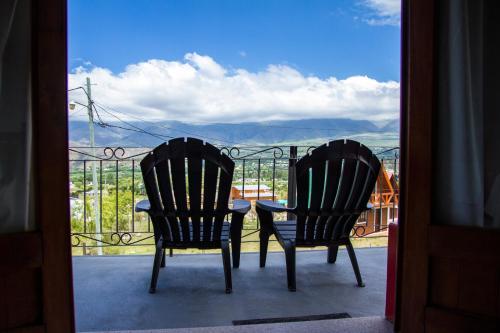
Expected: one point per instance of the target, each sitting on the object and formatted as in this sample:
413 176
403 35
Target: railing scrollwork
120 187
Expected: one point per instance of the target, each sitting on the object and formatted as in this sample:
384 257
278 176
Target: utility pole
97 216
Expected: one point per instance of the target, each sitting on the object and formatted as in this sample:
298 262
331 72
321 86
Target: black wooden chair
334 184
188 209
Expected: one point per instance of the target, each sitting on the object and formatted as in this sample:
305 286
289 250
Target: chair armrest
240 207
143 206
272 206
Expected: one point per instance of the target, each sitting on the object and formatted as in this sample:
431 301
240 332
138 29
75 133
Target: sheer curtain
466 187
15 117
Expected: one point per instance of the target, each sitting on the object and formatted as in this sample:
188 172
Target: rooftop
261 187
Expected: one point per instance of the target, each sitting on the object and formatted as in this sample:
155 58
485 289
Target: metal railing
120 186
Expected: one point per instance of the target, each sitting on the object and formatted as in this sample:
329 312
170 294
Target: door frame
418 94
51 157
50 152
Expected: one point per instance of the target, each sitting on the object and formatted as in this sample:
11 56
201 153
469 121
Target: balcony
112 247
111 292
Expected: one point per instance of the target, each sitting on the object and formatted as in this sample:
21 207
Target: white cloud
242 54
384 12
199 89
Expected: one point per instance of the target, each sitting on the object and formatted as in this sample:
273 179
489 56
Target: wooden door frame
36 293
51 158
418 93
50 147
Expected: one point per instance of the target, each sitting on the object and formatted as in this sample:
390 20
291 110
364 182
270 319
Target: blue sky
215 60
320 37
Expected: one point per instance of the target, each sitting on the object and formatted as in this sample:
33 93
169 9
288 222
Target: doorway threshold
359 325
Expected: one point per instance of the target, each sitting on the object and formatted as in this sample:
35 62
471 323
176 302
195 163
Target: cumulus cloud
198 90
384 12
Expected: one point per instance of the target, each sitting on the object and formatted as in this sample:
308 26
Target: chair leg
156 269
171 253
226 261
290 266
236 226
354 263
332 253
163 259
264 241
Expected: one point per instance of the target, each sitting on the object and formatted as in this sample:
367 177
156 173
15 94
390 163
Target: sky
238 60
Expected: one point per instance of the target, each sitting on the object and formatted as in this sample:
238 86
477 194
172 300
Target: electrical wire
138 129
107 125
171 128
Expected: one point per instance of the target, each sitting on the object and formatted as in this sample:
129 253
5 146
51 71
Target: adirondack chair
192 218
334 184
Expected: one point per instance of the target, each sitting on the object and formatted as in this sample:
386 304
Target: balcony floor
111 292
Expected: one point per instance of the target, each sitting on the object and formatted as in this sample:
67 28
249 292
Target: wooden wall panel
464 279
20 280
465 285
478 288
445 276
28 329
22 290
446 321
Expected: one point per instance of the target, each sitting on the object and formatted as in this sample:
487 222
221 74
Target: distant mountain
392 126
273 132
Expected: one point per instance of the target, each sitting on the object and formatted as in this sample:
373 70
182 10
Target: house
384 201
252 192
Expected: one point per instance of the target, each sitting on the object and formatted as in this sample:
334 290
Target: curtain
458 186
15 117
466 187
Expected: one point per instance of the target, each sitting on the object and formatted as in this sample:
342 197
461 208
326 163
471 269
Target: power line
138 129
171 128
97 113
129 129
107 125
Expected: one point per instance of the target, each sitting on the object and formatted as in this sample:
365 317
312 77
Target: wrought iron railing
118 185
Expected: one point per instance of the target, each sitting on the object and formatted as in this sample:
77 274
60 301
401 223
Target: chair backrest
334 184
188 184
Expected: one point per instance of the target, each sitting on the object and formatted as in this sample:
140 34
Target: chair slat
177 149
344 189
317 192
348 173
194 150
224 190
358 190
333 172
303 176
209 191
165 186
150 184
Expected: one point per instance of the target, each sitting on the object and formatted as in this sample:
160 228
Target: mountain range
150 134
